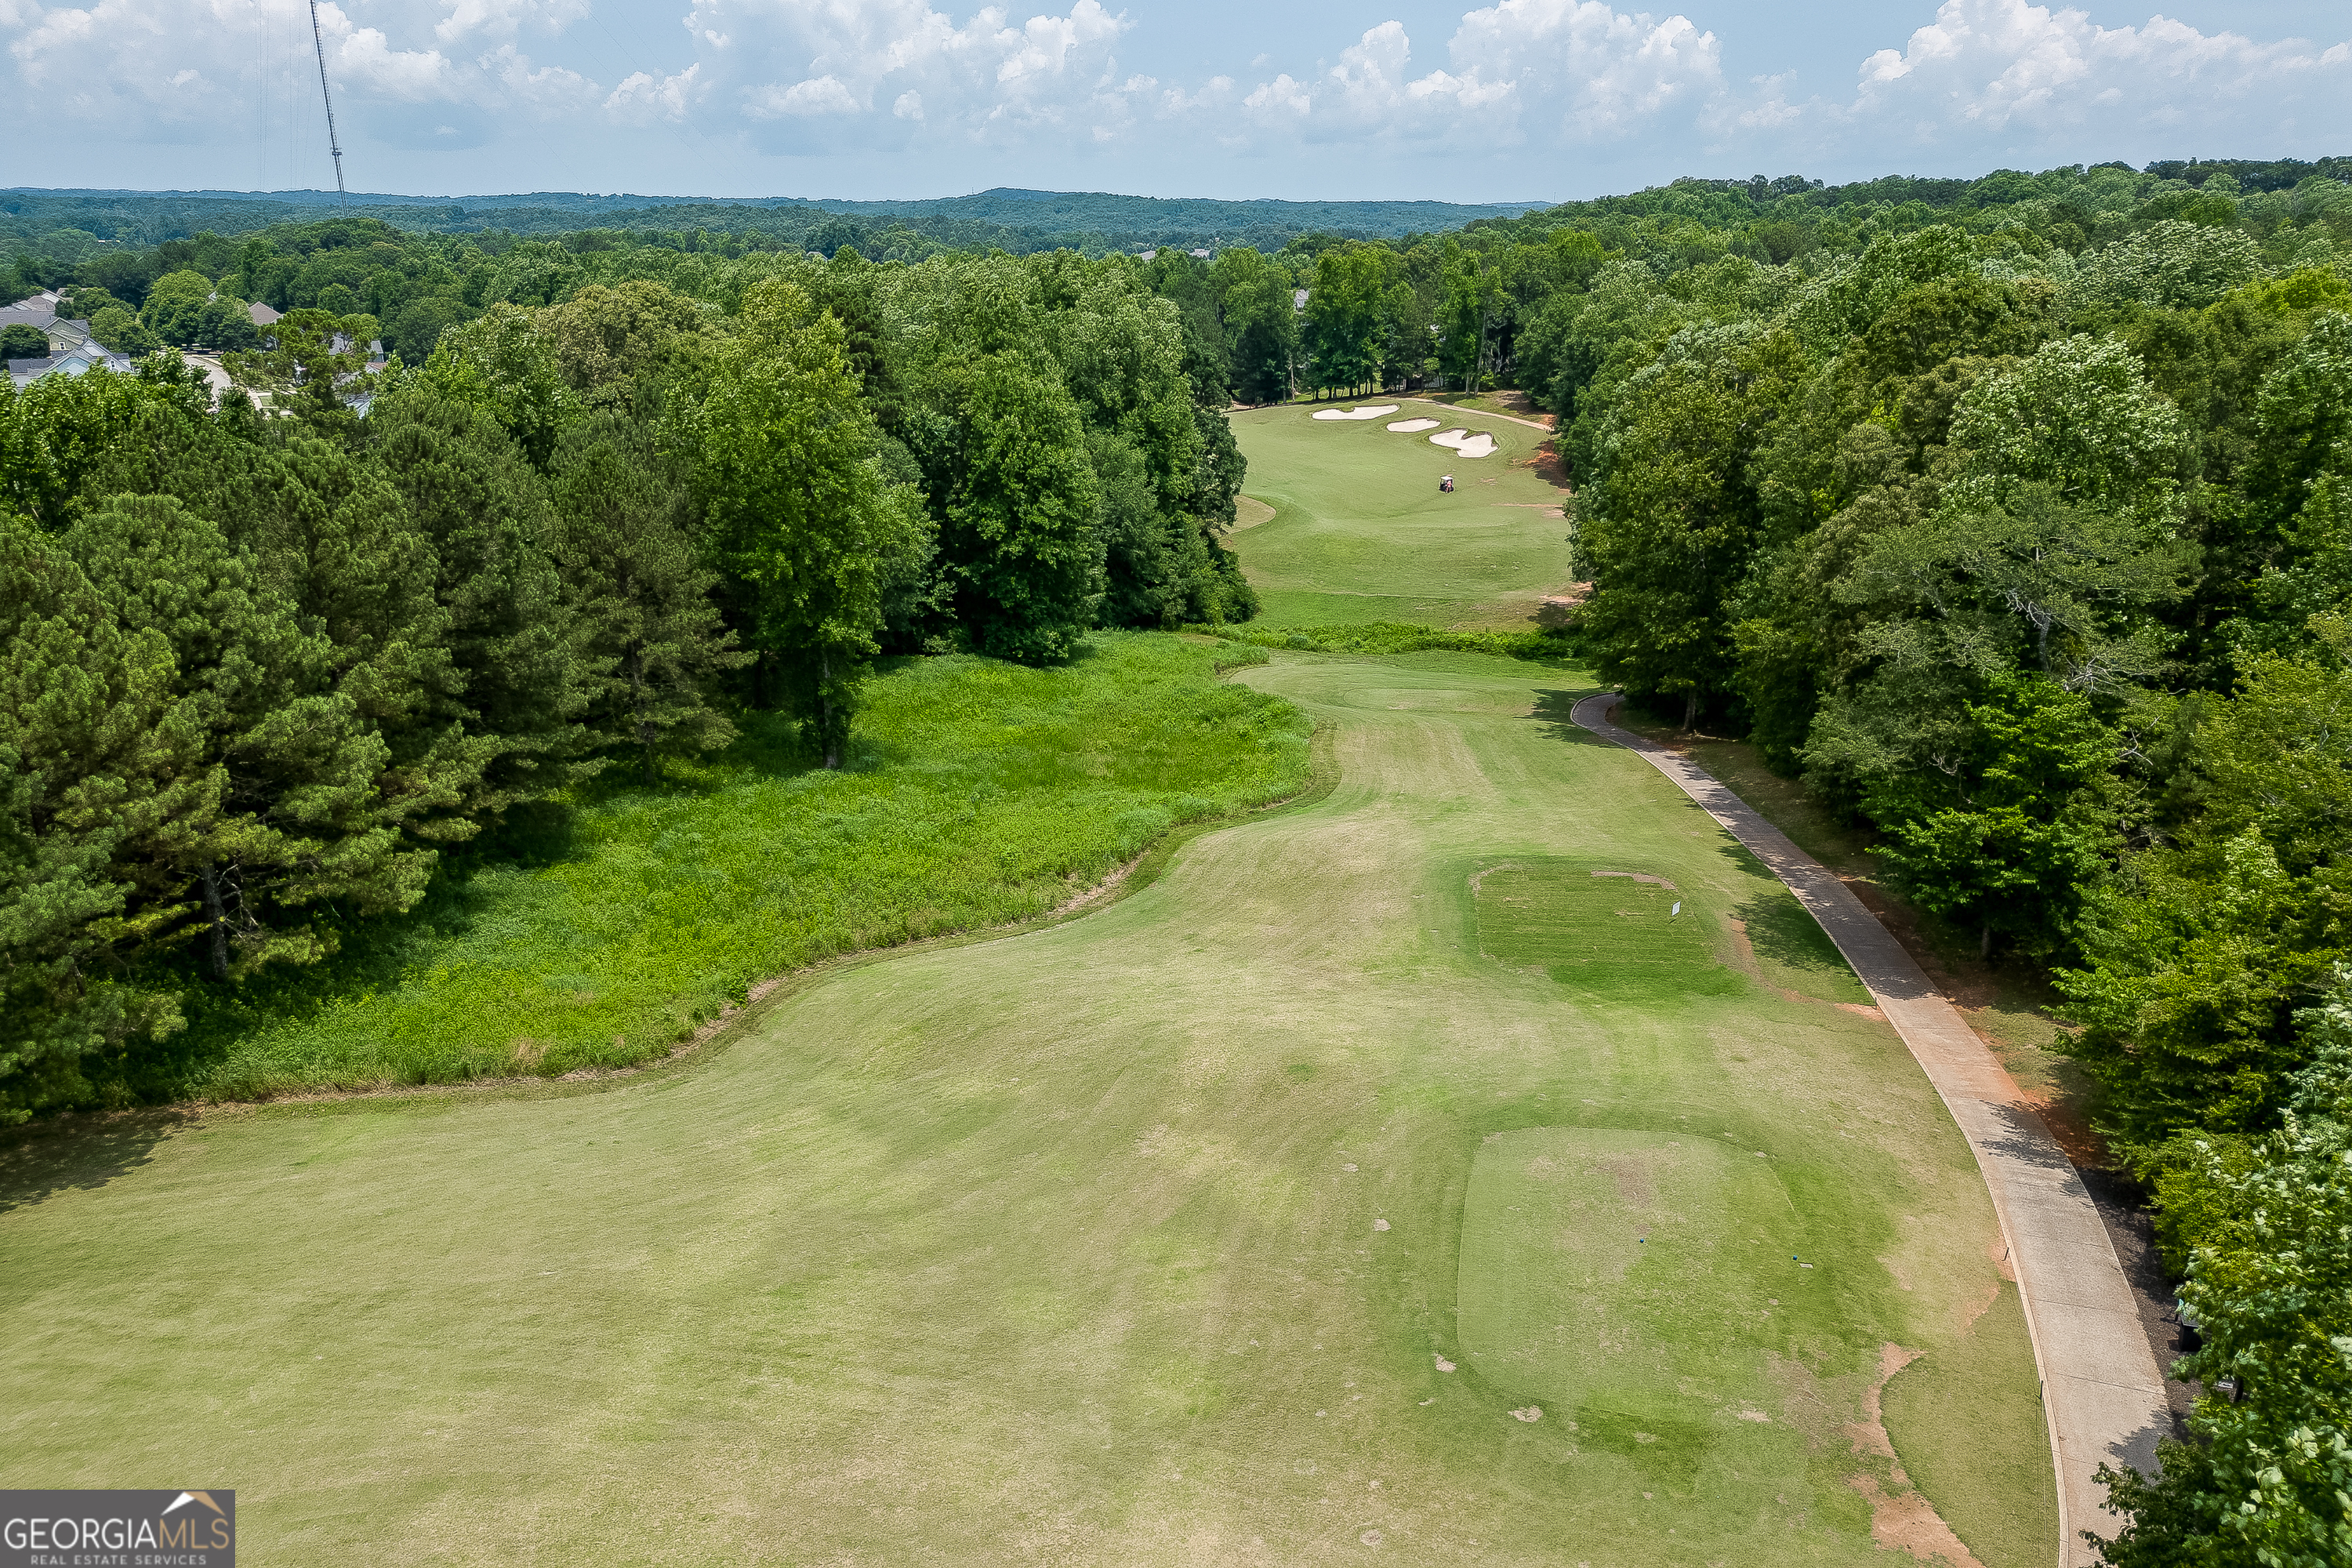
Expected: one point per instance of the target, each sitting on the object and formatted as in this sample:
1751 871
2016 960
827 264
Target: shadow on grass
1555 711
38 1162
1783 930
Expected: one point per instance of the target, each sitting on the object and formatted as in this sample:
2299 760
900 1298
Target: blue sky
1519 100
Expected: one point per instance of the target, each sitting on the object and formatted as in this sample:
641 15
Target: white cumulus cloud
1572 70
643 97
505 18
872 65
918 93
1998 72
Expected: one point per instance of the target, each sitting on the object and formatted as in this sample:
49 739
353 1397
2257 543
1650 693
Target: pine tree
103 783
512 639
300 819
634 577
329 530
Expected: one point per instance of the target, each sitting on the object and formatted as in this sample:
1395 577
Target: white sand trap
1413 426
1382 412
1463 442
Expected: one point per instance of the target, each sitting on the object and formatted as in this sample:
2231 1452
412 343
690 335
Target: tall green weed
976 793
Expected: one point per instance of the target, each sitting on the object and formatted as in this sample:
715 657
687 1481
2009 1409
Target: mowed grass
1230 1223
1362 533
977 793
1606 1270
1595 928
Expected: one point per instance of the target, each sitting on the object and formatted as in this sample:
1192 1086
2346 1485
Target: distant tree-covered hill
1013 220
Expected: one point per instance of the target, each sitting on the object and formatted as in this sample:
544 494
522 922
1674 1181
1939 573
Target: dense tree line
47 226
1545 302
264 663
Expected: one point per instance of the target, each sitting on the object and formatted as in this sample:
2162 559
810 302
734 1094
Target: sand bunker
1413 426
1382 412
1463 441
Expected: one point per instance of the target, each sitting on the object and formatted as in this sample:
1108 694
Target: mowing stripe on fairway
2101 1387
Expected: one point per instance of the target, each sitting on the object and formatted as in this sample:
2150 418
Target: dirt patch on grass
1745 949
1902 1519
1559 609
1907 1521
1634 1188
1869 1433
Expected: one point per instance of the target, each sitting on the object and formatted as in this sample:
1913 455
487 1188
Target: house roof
262 314
76 361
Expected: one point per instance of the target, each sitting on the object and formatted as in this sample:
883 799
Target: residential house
78 360
36 312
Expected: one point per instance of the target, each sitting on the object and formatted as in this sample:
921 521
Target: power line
341 197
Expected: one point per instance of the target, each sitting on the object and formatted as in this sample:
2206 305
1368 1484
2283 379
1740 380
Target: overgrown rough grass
977 793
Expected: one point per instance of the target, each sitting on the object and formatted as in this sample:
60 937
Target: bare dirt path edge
2102 1390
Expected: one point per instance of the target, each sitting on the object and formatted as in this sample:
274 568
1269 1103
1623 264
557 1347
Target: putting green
1362 533
1231 1223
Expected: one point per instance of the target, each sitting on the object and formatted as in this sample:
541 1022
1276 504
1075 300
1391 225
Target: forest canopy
266 661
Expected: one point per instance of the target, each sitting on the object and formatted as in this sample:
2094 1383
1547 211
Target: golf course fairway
1485 1161
1361 531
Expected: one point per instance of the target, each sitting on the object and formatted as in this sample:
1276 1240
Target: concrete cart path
2101 1387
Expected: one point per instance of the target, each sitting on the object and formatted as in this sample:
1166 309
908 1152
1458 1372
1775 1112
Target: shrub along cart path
2103 1391
1489 1163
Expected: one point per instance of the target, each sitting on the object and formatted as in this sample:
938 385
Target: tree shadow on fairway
39 1161
1783 930
1555 711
